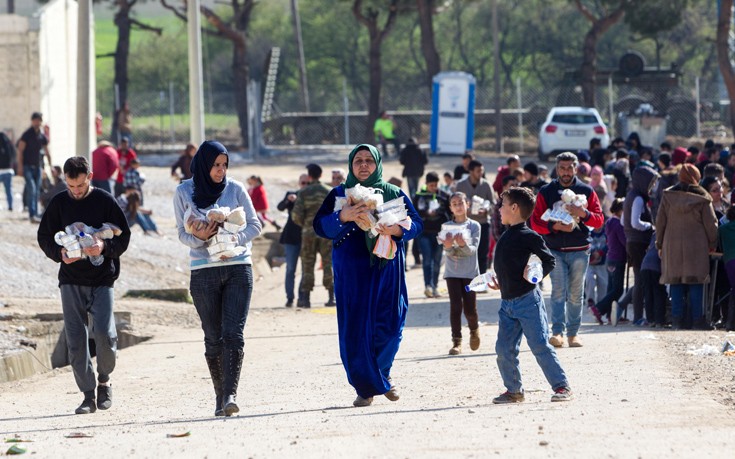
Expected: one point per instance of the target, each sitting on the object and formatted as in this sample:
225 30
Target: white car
570 129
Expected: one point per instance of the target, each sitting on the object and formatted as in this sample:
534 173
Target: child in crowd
522 309
595 281
257 193
654 293
460 267
449 184
130 203
616 259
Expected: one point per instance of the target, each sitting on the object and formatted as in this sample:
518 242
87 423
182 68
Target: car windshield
574 118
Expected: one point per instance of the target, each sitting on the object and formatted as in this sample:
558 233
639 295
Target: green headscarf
374 181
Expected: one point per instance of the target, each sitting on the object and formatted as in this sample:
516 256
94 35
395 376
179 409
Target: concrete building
38 72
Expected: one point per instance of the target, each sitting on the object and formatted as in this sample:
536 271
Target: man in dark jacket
291 239
413 160
432 204
570 245
86 288
7 155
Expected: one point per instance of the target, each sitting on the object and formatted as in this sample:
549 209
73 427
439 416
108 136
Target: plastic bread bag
191 217
385 247
237 216
108 231
392 204
373 222
359 193
339 202
218 214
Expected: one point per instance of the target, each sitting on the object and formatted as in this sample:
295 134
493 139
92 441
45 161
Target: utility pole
302 60
85 121
496 78
196 89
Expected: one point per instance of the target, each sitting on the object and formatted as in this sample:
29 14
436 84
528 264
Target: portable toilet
452 113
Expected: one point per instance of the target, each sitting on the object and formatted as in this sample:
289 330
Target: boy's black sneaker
509 397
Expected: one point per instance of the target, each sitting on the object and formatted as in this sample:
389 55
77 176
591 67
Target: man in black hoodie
413 159
87 289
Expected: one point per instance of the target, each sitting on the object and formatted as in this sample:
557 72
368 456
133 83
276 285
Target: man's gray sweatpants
77 301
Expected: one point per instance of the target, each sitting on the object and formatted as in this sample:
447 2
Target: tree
368 17
125 24
651 18
724 54
233 30
428 45
600 25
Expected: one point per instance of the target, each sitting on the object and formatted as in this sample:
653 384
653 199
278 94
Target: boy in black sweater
86 288
522 309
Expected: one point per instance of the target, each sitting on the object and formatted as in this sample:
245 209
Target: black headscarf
206 191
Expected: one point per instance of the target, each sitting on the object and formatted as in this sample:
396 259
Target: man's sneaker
642 322
556 340
574 341
435 293
509 397
104 397
562 394
359 401
614 313
88 406
429 292
596 312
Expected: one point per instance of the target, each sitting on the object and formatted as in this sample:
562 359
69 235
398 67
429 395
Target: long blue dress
371 300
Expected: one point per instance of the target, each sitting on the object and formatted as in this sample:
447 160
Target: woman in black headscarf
221 283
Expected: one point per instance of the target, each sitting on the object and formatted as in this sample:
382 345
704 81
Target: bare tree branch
178 13
141 26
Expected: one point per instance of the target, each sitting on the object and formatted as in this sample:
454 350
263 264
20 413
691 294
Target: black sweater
512 251
95 209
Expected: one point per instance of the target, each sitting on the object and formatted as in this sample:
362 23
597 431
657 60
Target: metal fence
161 120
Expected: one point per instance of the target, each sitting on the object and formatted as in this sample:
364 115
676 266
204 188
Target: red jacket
104 162
259 198
124 157
503 171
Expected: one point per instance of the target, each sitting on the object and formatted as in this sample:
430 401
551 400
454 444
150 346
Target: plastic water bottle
86 240
480 283
535 271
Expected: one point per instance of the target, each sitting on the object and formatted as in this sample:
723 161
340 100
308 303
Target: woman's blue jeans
678 295
221 297
292 259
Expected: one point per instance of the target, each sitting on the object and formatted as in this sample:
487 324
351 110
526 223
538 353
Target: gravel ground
28 283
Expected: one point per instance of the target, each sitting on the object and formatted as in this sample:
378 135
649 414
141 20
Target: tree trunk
589 68
375 69
241 76
428 44
122 22
723 55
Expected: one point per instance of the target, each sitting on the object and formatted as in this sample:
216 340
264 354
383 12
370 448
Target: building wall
19 74
38 72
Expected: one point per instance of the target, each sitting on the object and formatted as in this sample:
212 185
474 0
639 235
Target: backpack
7 152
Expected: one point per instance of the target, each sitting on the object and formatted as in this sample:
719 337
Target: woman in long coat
686 231
371 292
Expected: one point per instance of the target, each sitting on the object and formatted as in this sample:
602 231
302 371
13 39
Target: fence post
699 107
611 110
161 111
520 113
346 104
171 110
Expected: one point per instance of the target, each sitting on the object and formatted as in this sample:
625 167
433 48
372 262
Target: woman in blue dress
370 291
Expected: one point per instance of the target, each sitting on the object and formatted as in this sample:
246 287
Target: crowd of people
664 214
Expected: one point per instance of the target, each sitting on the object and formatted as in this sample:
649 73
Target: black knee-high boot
232 366
215 371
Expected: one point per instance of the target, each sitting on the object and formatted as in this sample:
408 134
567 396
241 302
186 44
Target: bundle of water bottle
533 274
78 236
559 211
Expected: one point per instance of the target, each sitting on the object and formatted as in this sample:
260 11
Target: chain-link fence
161 120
